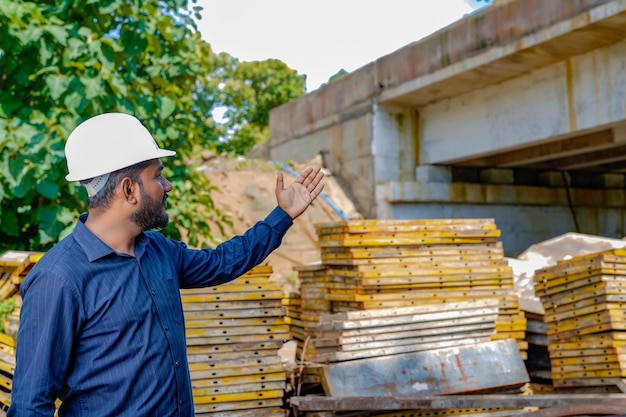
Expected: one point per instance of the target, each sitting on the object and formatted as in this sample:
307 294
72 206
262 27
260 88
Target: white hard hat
108 142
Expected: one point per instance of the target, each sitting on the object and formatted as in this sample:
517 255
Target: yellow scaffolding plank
207 340
230 372
573 313
588 291
239 379
222 323
238 405
617 373
239 330
338 241
403 222
234 314
568 308
239 396
234 288
492 250
250 346
242 361
589 278
588 360
203 298
232 389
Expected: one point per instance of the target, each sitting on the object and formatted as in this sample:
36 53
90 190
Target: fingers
280 182
313 178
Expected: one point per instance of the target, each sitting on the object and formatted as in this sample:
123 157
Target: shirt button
167 327
177 364
153 293
180 402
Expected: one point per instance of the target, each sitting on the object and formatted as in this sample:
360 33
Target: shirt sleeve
233 258
45 339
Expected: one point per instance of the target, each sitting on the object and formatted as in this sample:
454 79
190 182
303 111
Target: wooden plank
237 331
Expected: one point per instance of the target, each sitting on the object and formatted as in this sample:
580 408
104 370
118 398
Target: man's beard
151 214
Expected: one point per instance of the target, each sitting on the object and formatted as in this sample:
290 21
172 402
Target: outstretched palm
299 195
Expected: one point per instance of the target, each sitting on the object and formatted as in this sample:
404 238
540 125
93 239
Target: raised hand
298 196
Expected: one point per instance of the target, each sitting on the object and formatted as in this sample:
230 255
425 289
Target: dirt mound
247 193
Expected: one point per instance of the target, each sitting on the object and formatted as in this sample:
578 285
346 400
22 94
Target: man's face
153 187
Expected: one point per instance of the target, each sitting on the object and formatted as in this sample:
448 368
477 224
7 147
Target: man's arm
45 338
241 253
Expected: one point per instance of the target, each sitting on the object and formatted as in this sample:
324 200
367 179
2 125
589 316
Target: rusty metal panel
487 365
435 402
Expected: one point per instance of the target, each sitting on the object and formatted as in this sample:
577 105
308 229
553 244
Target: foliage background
63 61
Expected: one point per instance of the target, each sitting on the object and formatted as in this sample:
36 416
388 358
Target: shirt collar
95 248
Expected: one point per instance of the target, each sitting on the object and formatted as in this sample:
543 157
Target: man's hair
103 198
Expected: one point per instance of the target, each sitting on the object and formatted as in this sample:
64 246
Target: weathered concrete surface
481 119
582 94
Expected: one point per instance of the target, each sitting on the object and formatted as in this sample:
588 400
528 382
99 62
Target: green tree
337 75
248 91
62 61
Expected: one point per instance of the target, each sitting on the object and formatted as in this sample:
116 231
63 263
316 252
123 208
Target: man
101 324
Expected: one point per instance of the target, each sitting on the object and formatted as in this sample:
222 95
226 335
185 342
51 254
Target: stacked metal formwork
398 263
234 332
584 299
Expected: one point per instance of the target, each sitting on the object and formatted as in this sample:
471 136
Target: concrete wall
524 214
581 93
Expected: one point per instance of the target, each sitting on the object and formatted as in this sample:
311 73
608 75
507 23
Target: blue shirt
105 331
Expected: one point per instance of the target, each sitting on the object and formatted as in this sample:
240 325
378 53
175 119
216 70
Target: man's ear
127 189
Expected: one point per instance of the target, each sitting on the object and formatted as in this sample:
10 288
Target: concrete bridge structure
516 112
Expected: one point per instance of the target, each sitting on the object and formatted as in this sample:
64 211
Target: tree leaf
57 84
167 106
47 189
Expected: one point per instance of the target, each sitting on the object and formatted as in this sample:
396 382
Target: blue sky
320 37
